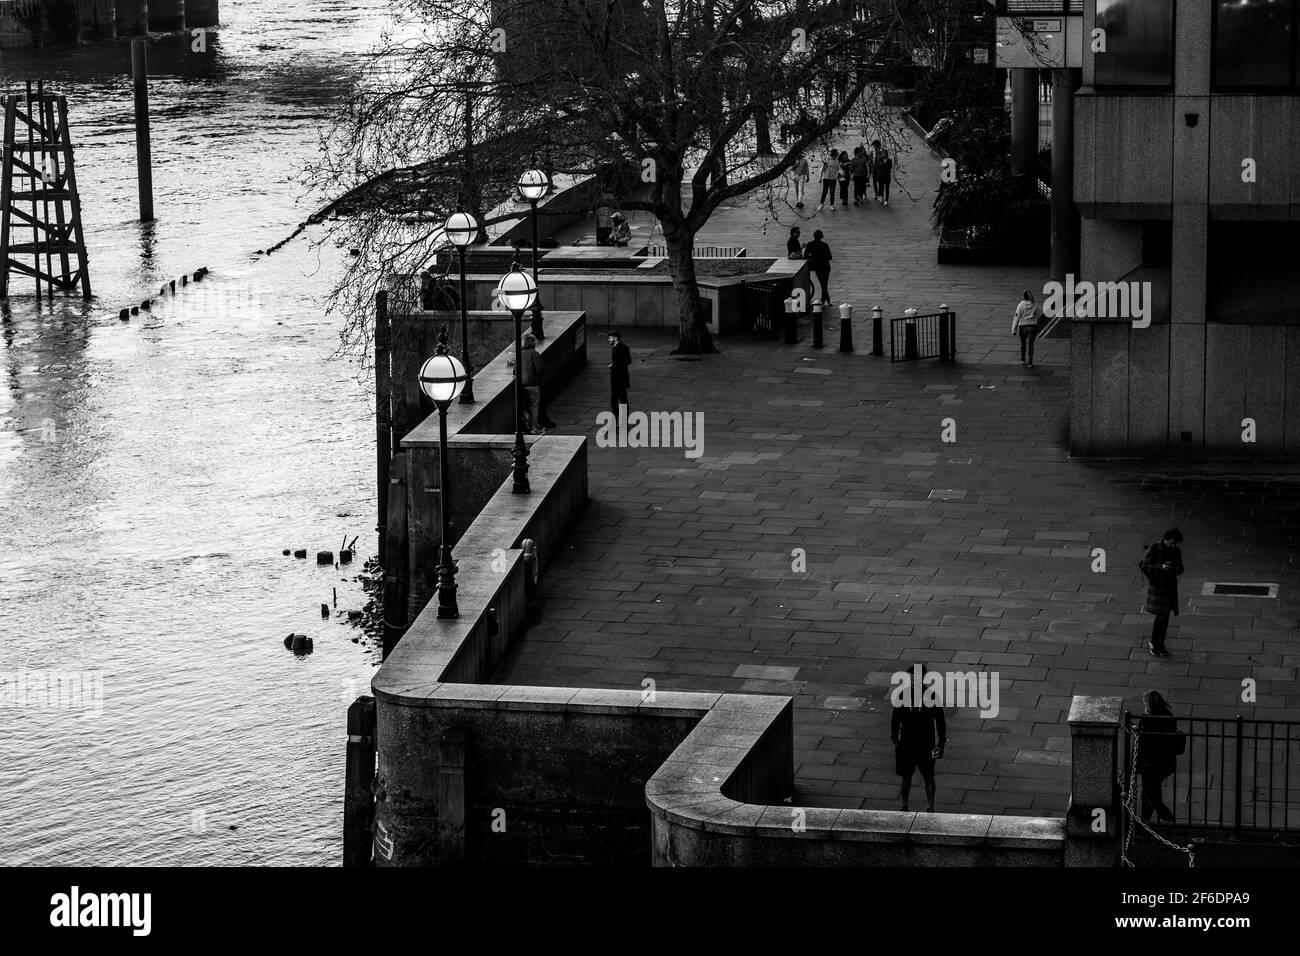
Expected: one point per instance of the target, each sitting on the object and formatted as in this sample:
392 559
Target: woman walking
1024 322
1161 565
830 173
846 173
801 176
1159 743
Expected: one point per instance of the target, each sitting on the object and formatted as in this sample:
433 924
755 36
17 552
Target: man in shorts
919 735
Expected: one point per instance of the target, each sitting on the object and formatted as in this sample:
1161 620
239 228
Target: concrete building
1187 176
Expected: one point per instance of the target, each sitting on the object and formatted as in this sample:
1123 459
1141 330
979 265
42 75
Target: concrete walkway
973 554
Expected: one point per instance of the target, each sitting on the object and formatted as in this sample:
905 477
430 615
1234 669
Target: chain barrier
1129 801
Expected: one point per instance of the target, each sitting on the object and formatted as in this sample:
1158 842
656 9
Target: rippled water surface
152 471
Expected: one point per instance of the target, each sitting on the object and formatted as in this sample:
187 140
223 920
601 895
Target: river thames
153 471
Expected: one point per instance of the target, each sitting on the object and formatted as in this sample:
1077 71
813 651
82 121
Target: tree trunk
694 337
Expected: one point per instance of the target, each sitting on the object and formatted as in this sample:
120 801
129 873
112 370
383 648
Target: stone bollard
877 330
817 325
324 557
300 553
846 327
1092 824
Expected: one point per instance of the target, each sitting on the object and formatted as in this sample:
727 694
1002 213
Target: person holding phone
1162 564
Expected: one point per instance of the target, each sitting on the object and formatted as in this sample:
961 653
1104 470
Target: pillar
132 17
96 19
1092 823
1024 121
1065 218
166 16
201 13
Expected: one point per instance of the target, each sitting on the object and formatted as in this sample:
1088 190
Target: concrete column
166 16
1065 219
96 19
1092 824
132 17
1024 121
201 13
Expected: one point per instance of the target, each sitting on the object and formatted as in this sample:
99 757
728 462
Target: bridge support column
201 13
96 19
1024 121
166 16
132 17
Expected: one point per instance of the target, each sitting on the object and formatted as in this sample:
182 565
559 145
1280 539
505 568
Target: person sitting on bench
621 233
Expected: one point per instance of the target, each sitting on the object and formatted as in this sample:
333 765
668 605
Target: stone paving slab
683 570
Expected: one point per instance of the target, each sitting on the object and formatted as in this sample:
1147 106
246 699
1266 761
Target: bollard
846 327
791 322
817 325
324 610
324 557
877 330
945 333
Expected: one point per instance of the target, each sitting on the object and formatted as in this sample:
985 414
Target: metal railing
764 301
915 337
701 252
1234 774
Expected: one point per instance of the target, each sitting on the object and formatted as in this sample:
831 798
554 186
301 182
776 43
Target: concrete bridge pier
132 17
166 16
201 13
96 19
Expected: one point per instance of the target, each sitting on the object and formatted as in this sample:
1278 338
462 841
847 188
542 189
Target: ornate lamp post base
447 606
520 455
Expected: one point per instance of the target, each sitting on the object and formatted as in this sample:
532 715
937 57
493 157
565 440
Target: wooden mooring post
359 795
397 561
143 160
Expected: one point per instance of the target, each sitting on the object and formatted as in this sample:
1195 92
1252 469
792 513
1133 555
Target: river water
152 471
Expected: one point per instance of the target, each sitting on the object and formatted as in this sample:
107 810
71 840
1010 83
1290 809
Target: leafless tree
674 100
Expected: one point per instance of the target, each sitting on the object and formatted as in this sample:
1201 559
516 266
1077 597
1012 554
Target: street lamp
533 185
442 378
462 229
518 293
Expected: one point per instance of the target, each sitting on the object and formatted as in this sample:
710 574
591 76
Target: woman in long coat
1162 565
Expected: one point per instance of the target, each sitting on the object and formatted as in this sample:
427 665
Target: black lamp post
518 292
461 229
533 185
442 378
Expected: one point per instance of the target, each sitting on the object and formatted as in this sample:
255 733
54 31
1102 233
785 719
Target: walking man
1162 565
620 360
818 254
919 735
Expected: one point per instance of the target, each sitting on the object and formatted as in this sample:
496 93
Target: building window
1139 43
1254 43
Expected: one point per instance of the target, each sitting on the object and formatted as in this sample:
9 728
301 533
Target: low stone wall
717 801
479 445
626 298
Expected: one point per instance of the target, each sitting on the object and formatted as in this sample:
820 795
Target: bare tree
671 99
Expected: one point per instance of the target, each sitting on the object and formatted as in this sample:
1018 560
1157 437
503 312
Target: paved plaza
973 554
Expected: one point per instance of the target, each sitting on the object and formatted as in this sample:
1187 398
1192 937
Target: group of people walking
839 170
